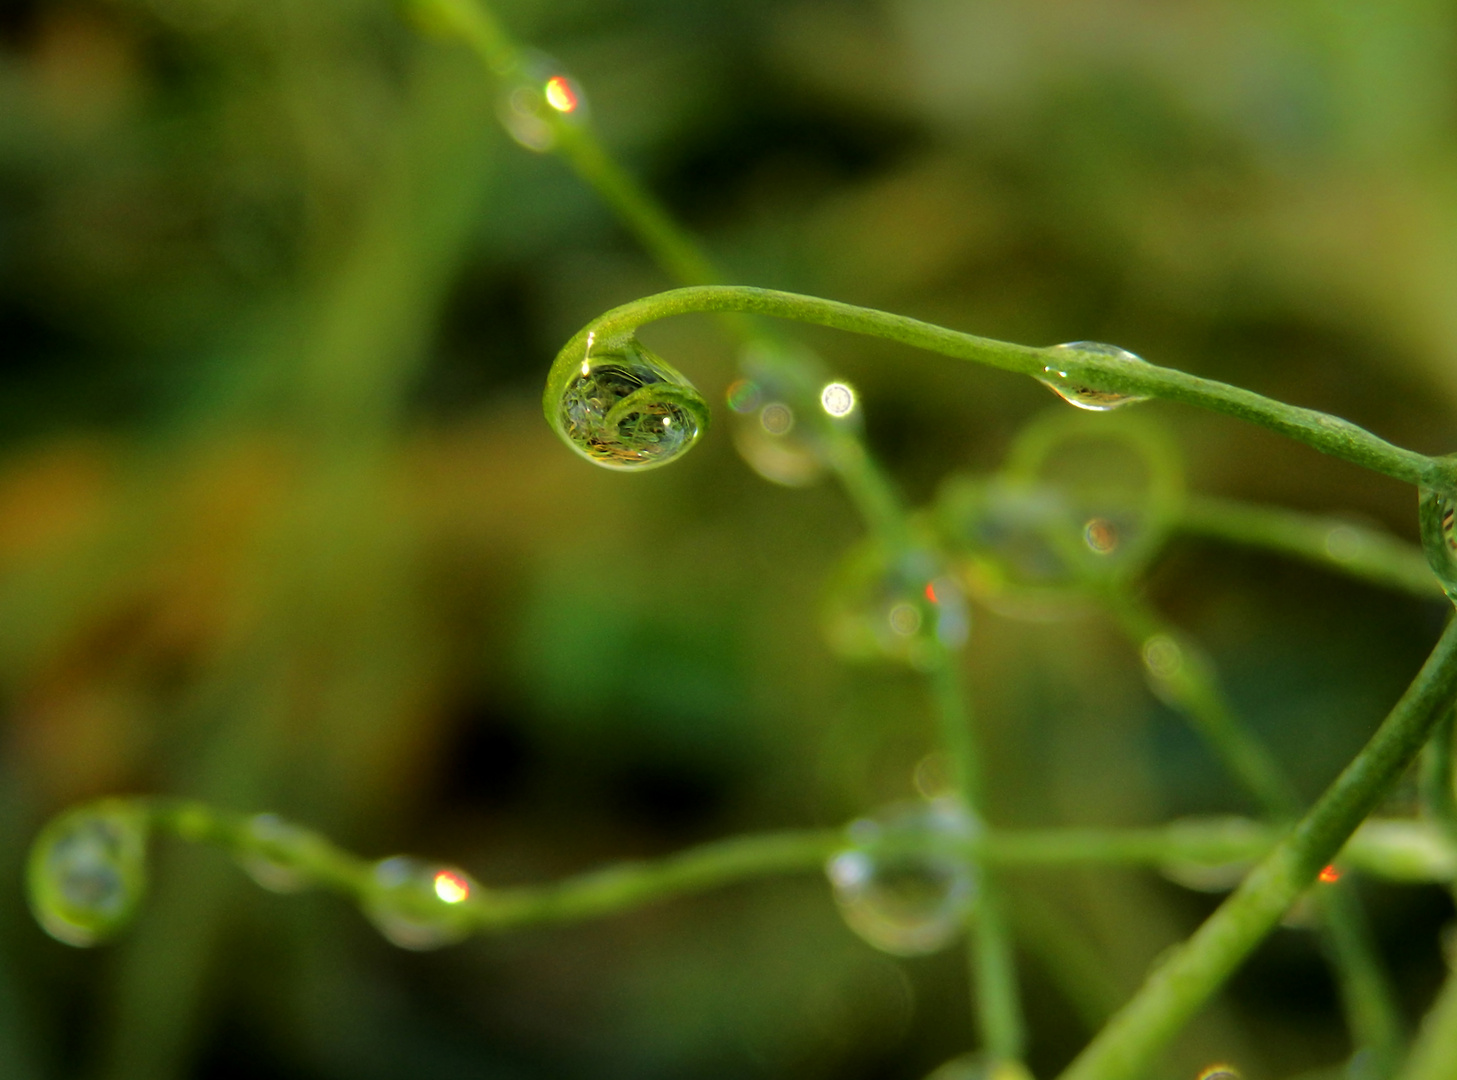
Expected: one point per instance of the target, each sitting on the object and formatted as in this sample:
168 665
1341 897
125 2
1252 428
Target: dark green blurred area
281 526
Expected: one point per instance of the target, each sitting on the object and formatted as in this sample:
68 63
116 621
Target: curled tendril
620 405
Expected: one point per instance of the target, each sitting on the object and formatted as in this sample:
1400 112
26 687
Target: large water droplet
626 408
419 905
1438 517
904 883
901 606
537 98
1085 397
276 853
87 871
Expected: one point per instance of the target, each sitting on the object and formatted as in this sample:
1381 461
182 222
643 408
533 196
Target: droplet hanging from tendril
902 606
536 99
904 882
1086 397
87 871
625 408
1437 516
275 853
419 905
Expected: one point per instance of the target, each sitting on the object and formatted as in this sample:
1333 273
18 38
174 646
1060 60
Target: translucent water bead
539 96
87 871
903 606
1085 397
626 408
904 882
276 853
419 905
1438 515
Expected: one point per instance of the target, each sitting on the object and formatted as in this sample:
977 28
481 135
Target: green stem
1434 1057
1439 798
993 963
1328 434
1192 689
1332 543
1126 1048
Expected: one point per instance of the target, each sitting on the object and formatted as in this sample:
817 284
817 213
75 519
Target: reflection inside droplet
777 418
627 409
837 399
1101 536
87 872
905 883
560 94
1162 656
416 905
1086 397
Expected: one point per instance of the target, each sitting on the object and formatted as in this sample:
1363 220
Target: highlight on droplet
1329 874
837 399
451 887
1220 1072
931 592
1101 536
560 95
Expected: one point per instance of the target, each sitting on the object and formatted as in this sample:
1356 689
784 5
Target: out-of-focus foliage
281 527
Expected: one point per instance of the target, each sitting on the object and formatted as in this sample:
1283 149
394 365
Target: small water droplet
276 853
419 905
1438 514
87 871
1220 1072
743 395
904 883
1101 536
1163 656
933 777
1343 543
626 408
535 99
1085 397
777 418
837 399
881 607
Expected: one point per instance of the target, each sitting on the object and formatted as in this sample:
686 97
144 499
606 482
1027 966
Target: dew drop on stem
902 606
904 881
87 871
536 98
626 408
1086 397
274 853
419 905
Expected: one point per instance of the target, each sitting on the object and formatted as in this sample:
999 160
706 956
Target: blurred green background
281 526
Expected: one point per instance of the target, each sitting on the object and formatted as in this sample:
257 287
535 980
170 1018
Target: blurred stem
1438 796
1434 1057
1188 686
1191 688
1192 973
993 964
1328 434
868 488
1329 542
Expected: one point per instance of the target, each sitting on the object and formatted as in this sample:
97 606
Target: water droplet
837 399
419 905
777 418
1163 656
879 606
1085 397
276 853
1101 536
743 396
536 99
87 871
626 408
933 777
1220 1072
1344 543
904 883
1438 516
